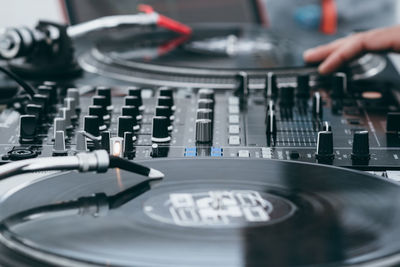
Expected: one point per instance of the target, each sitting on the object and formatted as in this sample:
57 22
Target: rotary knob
166 91
286 96
127 124
42 100
164 111
74 94
106 92
205 113
91 125
132 111
137 92
131 100
99 112
50 91
339 85
166 101
325 146
99 100
205 103
203 131
70 104
360 149
160 132
303 85
206 93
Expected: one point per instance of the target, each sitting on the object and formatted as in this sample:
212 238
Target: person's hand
334 54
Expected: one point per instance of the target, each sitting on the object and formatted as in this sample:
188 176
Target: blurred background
307 19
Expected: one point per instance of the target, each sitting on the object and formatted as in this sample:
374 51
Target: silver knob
203 131
74 93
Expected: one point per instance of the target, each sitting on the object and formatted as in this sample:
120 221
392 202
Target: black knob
131 111
50 91
99 100
163 111
339 85
165 101
34 109
91 125
205 103
105 140
135 91
166 91
325 146
27 128
106 92
271 85
205 113
242 84
206 93
286 96
129 150
160 130
303 85
360 146
97 111
393 122
127 124
42 100
204 131
131 100
317 105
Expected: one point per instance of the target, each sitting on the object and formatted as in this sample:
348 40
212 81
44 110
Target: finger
319 53
341 55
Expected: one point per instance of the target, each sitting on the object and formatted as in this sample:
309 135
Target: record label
218 208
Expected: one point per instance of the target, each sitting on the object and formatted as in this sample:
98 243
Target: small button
233 109
243 154
234 140
190 152
233 119
216 152
234 129
233 100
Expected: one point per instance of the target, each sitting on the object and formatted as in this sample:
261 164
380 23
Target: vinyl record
210 57
225 212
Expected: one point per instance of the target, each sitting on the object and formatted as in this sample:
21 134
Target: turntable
133 145
204 213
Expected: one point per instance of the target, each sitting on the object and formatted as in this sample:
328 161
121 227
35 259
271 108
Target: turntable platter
210 57
212 213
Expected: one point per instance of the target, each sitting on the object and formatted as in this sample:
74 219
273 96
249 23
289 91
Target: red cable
166 22
329 17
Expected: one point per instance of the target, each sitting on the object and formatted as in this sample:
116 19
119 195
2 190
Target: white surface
28 12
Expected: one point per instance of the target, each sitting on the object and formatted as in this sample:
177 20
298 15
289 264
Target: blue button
216 152
190 152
